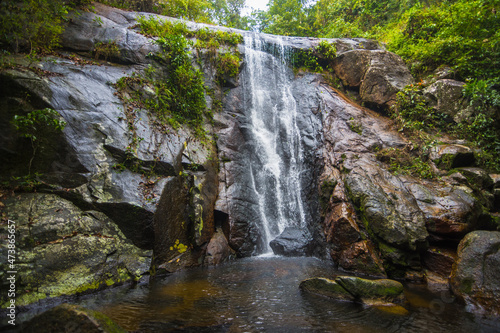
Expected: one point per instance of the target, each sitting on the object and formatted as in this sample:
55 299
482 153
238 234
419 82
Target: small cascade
276 153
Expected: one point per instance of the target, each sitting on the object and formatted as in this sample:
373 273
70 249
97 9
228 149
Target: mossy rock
362 289
351 288
325 287
71 318
63 250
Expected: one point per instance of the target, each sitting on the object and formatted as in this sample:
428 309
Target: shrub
31 25
38 126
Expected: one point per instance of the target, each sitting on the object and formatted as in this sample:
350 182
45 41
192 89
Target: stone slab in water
372 292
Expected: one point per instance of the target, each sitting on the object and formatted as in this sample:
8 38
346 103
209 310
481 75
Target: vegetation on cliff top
461 35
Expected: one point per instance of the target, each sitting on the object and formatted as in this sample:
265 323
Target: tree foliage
288 18
31 25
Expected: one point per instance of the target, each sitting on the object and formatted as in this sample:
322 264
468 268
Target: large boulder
292 242
450 156
218 250
450 211
63 250
388 209
475 274
361 256
446 96
378 74
347 249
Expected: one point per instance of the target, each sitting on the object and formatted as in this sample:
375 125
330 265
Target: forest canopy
462 36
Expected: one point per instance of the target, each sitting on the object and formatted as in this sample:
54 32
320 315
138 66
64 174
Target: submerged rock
383 290
475 275
326 287
356 289
292 242
71 318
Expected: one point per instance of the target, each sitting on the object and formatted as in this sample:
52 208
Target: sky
255 4
260 4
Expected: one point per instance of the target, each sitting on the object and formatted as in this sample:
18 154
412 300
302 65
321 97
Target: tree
31 25
288 17
192 10
228 13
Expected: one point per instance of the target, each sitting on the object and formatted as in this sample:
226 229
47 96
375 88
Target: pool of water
261 294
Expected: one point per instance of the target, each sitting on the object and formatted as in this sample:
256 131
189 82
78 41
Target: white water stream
276 161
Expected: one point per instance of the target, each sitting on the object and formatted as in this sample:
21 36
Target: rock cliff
114 189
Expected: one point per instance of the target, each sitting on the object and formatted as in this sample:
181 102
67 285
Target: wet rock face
88 167
450 211
391 215
475 273
439 260
238 197
380 223
83 33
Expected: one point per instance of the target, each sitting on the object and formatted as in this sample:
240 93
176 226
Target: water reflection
262 295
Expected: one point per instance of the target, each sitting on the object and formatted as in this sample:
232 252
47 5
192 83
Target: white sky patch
262 5
254 4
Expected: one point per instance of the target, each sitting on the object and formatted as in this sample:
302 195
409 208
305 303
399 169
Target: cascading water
275 142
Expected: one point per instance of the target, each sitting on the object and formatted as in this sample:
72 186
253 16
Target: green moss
105 50
315 60
325 287
445 162
176 94
228 65
326 191
28 298
199 220
355 126
94 285
466 286
179 247
406 162
371 289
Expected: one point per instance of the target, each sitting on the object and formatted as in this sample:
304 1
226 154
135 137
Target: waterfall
276 153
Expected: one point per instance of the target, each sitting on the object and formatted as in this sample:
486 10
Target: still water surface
262 295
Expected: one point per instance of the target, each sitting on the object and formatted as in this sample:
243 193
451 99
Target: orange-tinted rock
439 260
360 257
340 226
218 249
